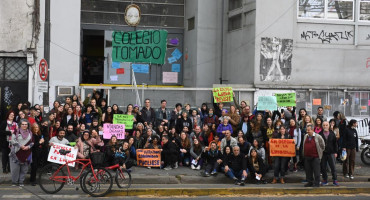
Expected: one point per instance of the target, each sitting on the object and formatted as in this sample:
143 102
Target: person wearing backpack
212 157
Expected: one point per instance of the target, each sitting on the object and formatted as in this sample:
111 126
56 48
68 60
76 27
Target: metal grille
2 64
16 69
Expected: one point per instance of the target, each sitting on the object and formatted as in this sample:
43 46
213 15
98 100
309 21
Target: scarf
291 131
12 125
24 133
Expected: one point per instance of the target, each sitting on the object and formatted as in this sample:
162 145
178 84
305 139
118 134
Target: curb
235 191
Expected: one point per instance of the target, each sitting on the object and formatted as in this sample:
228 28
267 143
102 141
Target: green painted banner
127 120
223 94
286 99
144 46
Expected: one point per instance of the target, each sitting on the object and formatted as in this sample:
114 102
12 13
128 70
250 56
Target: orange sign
148 157
282 147
316 102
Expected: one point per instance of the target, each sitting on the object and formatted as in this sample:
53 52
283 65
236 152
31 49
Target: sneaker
324 182
214 172
347 176
198 167
295 169
351 177
149 167
192 167
14 185
335 183
237 182
206 174
176 165
167 168
242 183
21 185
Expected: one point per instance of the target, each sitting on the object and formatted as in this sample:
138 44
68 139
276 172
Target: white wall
16 24
65 45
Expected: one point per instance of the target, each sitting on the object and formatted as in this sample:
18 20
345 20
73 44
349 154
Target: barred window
13 68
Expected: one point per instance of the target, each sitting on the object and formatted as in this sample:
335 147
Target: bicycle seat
64 152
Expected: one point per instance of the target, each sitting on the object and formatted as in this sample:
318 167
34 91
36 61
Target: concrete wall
65 45
320 62
16 25
238 65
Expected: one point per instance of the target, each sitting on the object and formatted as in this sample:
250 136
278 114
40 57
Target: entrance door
13 83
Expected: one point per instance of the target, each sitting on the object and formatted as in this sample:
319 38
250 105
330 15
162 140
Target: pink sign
114 129
170 77
368 103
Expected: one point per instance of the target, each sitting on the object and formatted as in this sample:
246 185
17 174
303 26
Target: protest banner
143 46
286 99
223 94
114 129
148 157
282 147
127 120
267 103
55 157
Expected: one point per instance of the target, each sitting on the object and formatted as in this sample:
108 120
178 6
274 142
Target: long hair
186 142
350 124
33 129
198 146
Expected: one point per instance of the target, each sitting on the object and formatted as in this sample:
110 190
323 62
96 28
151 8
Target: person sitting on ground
122 156
169 153
85 146
244 146
196 152
212 157
256 167
110 150
236 167
217 141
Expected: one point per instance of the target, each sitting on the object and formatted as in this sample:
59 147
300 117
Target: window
234 4
326 9
235 22
13 68
364 10
191 23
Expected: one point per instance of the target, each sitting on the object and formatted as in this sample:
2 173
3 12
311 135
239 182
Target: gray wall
318 63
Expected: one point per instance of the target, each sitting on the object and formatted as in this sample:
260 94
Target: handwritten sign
223 94
316 102
114 129
170 77
127 120
145 46
140 68
286 99
55 157
148 157
267 103
282 147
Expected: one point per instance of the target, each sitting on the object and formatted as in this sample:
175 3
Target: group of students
215 139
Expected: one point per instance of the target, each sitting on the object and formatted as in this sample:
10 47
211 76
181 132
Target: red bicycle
123 176
96 182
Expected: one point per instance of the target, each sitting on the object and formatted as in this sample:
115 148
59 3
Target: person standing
163 115
7 128
350 144
37 151
280 163
21 153
148 114
329 155
313 148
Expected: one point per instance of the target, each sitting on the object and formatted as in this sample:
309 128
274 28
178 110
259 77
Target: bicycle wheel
99 186
123 179
46 181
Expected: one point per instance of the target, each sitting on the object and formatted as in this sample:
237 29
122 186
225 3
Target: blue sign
140 68
171 60
177 54
176 68
116 65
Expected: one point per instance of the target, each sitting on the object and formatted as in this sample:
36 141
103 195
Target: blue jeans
185 159
239 174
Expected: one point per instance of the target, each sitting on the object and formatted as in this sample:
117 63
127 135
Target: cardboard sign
114 129
282 147
127 120
55 157
145 46
286 99
148 157
223 94
267 103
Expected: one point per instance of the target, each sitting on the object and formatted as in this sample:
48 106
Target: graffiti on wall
276 59
327 37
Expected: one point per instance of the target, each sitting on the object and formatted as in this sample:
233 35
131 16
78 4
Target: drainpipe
222 40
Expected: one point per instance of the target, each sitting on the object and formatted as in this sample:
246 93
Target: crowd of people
232 141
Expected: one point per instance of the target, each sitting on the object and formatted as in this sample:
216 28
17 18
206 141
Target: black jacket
147 118
350 139
331 145
211 157
4 134
169 148
181 123
261 164
237 163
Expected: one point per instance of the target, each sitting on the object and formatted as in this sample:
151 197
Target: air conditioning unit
65 90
